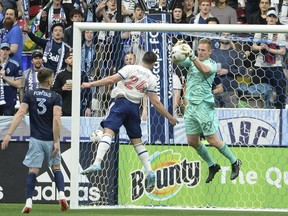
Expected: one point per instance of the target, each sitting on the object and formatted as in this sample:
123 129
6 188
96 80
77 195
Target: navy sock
59 180
30 184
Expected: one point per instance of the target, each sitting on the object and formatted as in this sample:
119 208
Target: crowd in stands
51 35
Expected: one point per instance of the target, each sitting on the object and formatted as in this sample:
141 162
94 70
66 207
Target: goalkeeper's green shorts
201 118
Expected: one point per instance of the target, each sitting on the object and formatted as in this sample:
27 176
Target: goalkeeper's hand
191 55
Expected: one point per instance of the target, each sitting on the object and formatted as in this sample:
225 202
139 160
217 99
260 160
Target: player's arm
102 82
15 122
153 97
203 68
56 128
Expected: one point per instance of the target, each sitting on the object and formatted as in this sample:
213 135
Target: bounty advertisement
181 175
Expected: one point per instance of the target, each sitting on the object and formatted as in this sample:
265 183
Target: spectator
68 6
259 17
1 15
54 47
229 66
269 61
105 50
180 73
81 5
204 14
54 13
13 4
251 6
224 13
13 35
10 81
89 8
76 15
188 9
135 41
29 80
63 86
88 55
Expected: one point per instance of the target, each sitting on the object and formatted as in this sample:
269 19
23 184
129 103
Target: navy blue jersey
41 103
13 71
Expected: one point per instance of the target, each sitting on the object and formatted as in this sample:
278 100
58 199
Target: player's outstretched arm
161 109
15 122
102 82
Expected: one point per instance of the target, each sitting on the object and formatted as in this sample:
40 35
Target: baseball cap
272 11
37 53
69 53
5 45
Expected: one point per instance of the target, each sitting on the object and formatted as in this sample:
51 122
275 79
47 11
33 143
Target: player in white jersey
133 83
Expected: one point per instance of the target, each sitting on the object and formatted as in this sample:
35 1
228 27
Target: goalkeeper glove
192 56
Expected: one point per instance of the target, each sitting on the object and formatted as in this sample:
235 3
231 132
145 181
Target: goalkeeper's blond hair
206 41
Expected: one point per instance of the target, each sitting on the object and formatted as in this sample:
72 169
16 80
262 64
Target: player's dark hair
44 74
149 57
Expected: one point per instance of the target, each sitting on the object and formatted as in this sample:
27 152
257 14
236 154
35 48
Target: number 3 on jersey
41 106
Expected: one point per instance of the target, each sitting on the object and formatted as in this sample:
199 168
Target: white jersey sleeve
136 82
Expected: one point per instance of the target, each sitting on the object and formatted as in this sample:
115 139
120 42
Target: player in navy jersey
133 83
44 108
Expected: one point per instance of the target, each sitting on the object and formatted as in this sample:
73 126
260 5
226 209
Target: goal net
250 107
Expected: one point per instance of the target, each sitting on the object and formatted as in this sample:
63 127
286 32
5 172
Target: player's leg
59 182
132 125
210 127
110 126
144 157
195 118
30 186
33 159
103 147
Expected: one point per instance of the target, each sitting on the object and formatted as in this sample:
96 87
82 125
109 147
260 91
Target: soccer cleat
212 172
235 169
150 182
63 204
91 169
28 206
26 210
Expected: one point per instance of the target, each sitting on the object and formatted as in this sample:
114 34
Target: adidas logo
46 188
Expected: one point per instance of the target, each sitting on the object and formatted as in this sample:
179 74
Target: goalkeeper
133 83
200 113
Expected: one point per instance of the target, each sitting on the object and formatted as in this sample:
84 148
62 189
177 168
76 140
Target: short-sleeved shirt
279 40
14 36
199 85
136 82
41 103
12 71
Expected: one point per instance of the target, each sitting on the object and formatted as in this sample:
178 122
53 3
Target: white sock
103 147
143 155
61 195
28 203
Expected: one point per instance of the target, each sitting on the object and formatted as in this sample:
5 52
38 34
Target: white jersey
136 82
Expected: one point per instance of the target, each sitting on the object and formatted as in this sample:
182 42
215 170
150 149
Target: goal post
241 129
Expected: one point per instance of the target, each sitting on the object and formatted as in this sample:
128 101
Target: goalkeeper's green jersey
199 85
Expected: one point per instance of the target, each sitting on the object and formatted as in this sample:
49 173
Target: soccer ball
177 54
96 136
